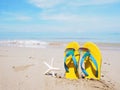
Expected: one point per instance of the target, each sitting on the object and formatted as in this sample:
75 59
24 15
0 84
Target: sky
59 15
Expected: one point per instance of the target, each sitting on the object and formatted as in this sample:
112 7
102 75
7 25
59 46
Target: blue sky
59 15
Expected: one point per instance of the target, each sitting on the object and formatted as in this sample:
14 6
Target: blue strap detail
70 52
75 62
95 63
66 68
81 63
92 59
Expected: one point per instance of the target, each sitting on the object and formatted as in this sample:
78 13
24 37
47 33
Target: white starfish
51 68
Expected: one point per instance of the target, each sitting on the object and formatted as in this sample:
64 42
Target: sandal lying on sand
92 61
71 60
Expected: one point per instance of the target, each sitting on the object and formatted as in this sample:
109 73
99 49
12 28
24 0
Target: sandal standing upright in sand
71 60
92 60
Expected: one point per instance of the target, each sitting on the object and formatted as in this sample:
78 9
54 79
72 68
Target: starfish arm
51 68
47 65
47 71
55 68
52 61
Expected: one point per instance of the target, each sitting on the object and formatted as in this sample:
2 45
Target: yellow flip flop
71 60
92 60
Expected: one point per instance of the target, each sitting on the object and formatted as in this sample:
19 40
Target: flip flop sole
72 74
89 65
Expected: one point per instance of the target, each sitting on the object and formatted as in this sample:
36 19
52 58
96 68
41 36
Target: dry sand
23 69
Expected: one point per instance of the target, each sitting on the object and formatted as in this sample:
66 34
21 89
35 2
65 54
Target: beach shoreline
22 68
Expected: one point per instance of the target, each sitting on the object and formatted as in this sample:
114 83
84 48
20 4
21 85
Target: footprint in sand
22 68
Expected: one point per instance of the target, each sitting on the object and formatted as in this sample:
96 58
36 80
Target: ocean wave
24 43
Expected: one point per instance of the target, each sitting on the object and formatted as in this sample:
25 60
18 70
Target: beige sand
23 69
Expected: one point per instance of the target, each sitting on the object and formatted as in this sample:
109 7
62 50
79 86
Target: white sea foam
24 43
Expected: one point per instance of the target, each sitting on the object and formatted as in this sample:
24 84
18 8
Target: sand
22 68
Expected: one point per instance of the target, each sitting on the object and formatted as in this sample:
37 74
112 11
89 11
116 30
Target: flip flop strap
92 59
70 53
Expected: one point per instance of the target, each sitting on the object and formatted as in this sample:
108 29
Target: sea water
104 37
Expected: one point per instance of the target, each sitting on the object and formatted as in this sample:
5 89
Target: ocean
102 37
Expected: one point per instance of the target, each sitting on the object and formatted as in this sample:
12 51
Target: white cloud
82 22
64 23
69 3
69 17
13 16
69 20
17 18
60 13
57 17
45 3
91 2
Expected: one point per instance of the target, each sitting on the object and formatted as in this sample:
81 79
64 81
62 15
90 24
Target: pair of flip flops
88 58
